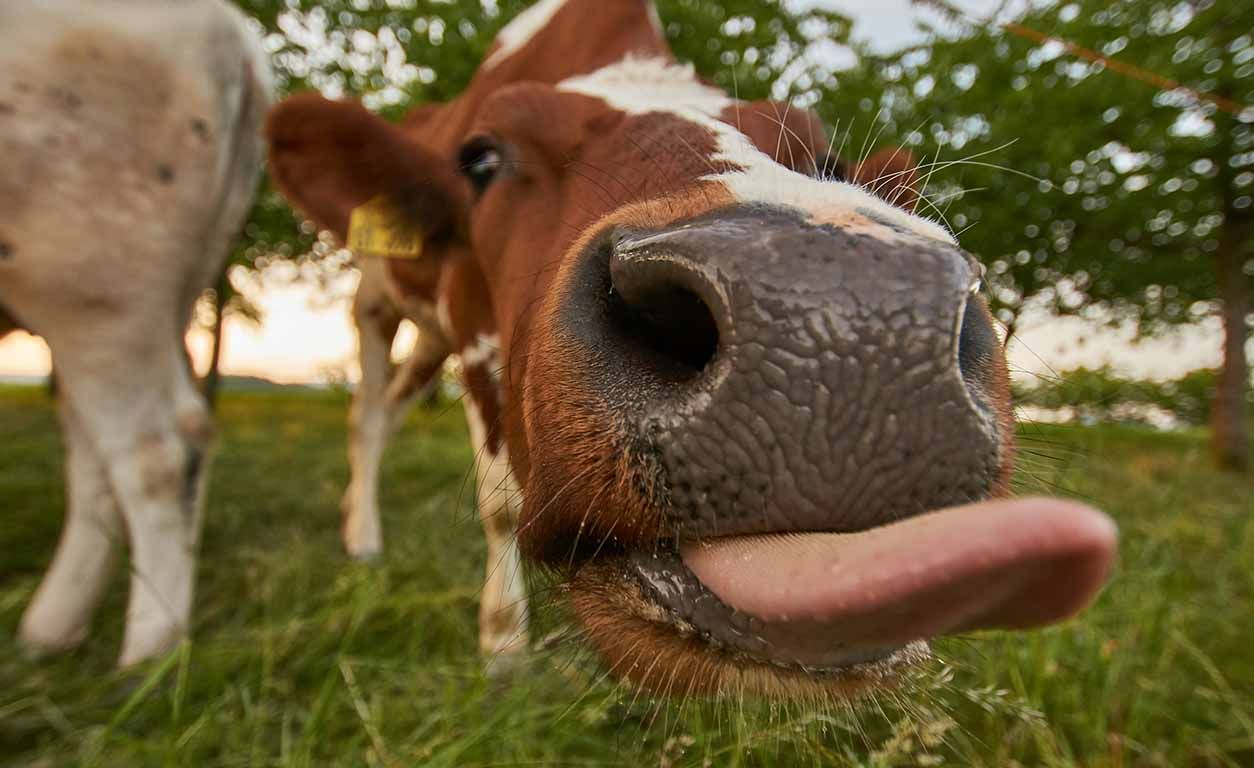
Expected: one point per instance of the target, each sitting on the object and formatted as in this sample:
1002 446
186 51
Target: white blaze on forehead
526 25
640 86
647 86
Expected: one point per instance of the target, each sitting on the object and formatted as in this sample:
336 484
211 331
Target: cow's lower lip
823 602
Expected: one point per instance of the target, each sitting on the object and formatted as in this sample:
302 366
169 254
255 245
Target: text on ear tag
373 230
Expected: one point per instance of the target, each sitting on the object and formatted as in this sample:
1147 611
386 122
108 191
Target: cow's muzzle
782 376
813 414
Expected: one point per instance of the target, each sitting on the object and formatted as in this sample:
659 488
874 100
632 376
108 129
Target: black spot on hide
65 99
191 479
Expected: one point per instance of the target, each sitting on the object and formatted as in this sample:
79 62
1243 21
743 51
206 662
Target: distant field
301 658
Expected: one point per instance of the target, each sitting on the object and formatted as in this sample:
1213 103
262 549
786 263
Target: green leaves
1086 190
1102 395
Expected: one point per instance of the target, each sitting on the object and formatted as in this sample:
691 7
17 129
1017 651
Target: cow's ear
331 158
794 137
891 173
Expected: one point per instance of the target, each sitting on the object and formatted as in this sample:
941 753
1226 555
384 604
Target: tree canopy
1097 155
1080 186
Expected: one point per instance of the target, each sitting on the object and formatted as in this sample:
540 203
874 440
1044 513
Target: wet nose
779 375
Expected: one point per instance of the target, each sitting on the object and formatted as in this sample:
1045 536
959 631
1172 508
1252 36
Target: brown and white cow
752 418
130 145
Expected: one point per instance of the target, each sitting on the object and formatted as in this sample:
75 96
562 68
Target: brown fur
610 500
891 173
368 158
8 324
794 137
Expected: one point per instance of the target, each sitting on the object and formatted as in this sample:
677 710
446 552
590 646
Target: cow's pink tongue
999 564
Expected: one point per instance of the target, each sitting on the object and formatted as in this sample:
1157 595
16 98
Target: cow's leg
419 373
377 323
60 614
380 405
134 398
503 604
160 482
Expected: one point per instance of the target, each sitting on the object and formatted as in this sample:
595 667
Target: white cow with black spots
130 147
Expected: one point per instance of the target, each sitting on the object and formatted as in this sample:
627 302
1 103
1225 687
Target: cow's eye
481 161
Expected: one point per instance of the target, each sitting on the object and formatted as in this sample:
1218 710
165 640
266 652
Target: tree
1110 162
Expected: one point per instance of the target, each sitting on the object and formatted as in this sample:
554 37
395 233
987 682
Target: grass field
301 658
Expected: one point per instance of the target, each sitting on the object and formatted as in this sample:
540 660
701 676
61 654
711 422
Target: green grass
302 658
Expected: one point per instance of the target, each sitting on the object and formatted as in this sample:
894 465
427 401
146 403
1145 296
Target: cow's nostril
977 346
657 310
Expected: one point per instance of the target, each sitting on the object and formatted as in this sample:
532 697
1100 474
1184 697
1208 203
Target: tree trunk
1230 440
212 376
1230 437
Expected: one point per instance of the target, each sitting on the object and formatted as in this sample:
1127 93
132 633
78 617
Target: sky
308 337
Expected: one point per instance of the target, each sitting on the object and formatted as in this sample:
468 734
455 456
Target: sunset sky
307 337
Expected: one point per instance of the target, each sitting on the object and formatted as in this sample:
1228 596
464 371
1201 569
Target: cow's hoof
137 650
39 651
503 666
37 644
362 547
365 555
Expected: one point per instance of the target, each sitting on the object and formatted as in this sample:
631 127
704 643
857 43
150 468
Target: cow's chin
650 641
799 614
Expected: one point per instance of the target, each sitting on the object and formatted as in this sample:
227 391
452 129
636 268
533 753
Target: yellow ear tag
374 231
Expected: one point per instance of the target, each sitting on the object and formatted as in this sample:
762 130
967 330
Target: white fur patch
526 25
656 20
485 351
638 86
503 601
